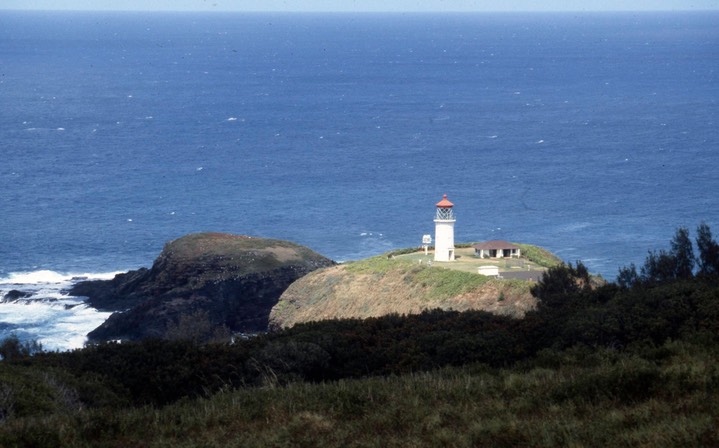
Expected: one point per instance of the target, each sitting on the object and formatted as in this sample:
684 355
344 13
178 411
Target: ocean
593 135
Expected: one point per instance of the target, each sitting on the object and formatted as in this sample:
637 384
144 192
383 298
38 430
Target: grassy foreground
665 396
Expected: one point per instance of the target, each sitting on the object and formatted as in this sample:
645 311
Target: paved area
532 276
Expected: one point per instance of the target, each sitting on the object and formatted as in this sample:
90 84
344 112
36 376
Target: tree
708 251
628 276
561 283
11 348
683 254
676 264
658 267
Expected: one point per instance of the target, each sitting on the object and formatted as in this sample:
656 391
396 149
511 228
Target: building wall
497 253
443 240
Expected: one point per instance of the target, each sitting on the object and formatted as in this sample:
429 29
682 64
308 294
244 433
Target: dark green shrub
12 349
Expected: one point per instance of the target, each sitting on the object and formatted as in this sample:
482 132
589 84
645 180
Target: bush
12 349
561 285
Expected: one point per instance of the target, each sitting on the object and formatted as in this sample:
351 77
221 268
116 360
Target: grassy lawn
466 261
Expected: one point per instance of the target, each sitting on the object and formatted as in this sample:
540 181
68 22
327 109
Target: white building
444 231
497 249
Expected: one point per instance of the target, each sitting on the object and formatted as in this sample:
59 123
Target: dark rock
120 293
14 295
232 280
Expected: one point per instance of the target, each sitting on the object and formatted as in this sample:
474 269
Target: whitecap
35 277
575 226
232 119
540 141
57 326
51 316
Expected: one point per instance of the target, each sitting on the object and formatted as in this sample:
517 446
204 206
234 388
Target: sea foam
46 312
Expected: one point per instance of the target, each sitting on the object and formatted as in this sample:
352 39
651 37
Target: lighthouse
444 231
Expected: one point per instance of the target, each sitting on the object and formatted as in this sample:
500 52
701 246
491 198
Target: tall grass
666 397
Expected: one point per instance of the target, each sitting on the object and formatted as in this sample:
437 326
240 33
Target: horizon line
361 11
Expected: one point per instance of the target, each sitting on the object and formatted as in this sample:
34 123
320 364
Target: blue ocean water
593 135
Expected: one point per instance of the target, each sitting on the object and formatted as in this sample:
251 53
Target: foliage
708 260
562 284
628 276
12 348
678 263
663 396
27 391
198 328
683 254
633 363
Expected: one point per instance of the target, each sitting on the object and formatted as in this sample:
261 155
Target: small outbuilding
497 249
489 271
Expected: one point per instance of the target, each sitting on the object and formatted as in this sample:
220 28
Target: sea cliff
225 281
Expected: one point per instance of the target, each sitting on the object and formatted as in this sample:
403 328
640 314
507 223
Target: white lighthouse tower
444 231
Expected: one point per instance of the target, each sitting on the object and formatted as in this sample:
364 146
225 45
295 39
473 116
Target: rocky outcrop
119 294
14 295
233 281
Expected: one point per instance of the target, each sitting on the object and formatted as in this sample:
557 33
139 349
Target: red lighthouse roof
444 203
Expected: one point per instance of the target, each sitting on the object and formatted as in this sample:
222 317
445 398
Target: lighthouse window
444 213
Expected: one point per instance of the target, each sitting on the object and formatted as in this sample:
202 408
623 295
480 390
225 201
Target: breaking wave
36 305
